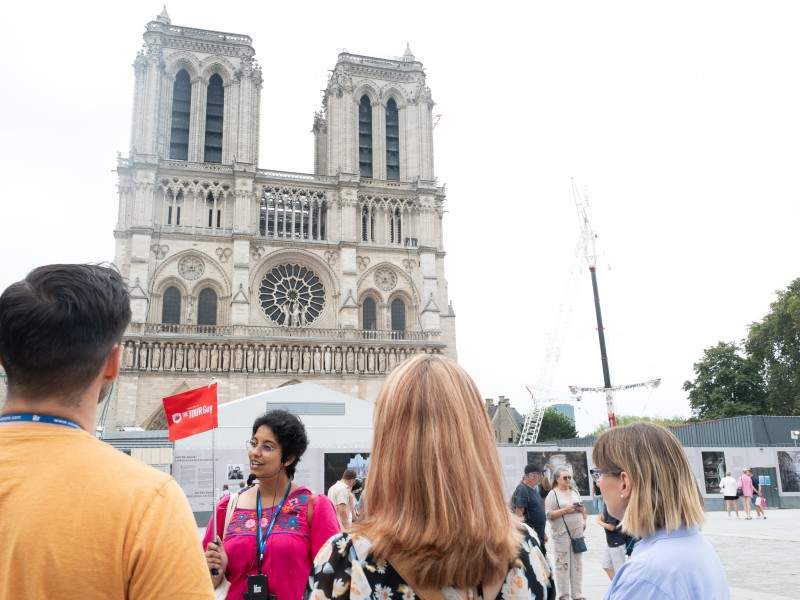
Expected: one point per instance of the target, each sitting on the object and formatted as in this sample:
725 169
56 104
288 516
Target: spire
408 55
164 17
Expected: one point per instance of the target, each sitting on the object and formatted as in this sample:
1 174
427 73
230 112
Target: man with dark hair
527 503
342 497
93 522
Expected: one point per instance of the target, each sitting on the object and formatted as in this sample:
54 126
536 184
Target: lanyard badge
37 418
257 585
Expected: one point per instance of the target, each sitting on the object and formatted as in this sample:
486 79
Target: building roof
746 431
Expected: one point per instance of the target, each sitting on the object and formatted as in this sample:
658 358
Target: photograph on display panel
575 461
713 471
789 467
337 462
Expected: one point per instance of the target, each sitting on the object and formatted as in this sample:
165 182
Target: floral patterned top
346 569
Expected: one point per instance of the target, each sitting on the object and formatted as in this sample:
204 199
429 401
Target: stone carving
385 279
224 254
191 268
409 264
261 358
292 295
256 252
159 250
362 262
330 257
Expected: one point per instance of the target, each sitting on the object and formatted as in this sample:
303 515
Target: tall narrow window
368 317
395 226
171 306
392 141
181 107
263 215
398 315
367 224
365 137
215 106
207 307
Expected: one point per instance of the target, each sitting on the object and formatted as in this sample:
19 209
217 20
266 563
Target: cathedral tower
257 277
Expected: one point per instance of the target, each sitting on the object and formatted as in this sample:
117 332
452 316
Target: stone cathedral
254 277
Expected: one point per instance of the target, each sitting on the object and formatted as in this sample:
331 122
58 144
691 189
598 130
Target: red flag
191 412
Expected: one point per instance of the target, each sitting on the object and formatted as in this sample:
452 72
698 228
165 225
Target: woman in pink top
746 485
304 521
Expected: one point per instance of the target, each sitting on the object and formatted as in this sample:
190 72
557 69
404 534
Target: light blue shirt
681 565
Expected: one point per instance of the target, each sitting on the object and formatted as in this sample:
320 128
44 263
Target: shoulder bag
578 543
221 591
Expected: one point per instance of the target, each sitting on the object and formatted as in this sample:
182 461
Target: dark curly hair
291 434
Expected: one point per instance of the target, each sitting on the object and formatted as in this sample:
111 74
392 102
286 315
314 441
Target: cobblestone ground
761 557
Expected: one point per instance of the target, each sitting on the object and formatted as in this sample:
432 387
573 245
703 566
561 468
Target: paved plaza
761 557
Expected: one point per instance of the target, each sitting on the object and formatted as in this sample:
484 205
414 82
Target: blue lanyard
37 418
261 544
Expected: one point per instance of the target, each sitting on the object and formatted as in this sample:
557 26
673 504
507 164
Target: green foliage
556 426
763 376
630 419
774 344
726 384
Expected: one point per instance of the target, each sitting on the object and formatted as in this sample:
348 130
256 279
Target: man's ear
113 363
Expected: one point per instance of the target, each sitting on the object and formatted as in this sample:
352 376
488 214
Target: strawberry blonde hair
435 491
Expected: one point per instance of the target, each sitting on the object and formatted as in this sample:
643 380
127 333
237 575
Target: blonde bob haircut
435 491
664 493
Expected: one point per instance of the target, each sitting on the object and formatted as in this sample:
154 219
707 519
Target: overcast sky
681 118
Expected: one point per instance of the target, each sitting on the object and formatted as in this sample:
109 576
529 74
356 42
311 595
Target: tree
556 426
726 384
774 345
630 419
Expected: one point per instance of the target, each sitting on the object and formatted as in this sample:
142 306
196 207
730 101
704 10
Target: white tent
334 423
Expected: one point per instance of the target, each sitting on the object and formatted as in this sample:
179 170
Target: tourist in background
728 486
758 496
436 521
746 485
567 517
341 495
647 483
615 543
294 523
527 504
80 519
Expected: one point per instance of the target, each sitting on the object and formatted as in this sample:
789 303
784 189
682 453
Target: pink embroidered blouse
290 549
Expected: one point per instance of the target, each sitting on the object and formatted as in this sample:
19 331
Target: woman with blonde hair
646 482
436 524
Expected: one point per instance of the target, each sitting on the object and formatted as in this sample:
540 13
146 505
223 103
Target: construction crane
588 248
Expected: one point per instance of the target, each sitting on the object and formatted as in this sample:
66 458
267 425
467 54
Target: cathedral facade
255 278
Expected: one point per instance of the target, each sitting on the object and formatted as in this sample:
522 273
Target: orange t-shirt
81 520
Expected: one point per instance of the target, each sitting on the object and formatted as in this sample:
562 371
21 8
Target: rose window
292 295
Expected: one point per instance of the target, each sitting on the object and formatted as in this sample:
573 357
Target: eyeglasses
566 477
598 473
253 445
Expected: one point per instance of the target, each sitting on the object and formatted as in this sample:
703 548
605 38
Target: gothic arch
376 297
218 64
221 276
182 60
402 276
412 320
157 297
392 91
367 88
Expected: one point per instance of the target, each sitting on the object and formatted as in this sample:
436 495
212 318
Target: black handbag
578 543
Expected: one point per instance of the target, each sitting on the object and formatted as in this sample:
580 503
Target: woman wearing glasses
646 482
276 527
567 517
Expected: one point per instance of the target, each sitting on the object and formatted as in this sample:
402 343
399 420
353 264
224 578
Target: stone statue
317 362
306 359
284 359
261 360
350 360
179 355
214 365
327 360
202 352
250 359
238 356
337 359
167 363
225 358
155 357
191 358
273 359
130 355
143 356
381 360
295 365
371 361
